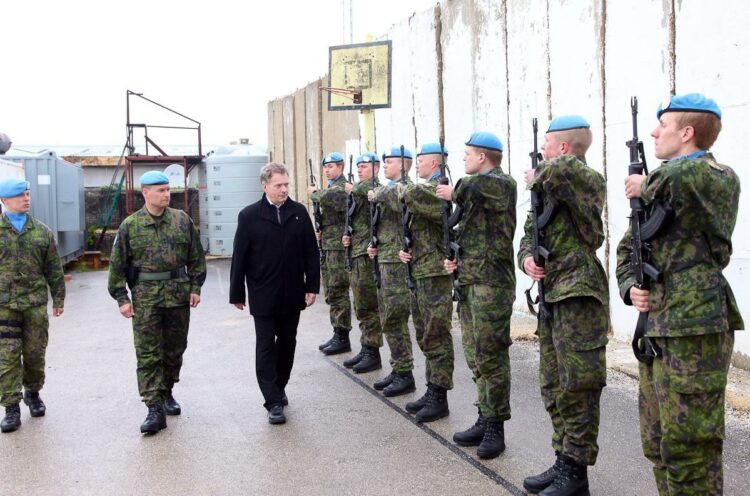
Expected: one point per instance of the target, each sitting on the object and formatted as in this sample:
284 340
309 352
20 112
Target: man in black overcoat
276 256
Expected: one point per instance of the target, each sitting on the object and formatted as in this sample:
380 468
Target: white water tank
232 182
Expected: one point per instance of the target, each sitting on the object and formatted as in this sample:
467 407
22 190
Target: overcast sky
66 64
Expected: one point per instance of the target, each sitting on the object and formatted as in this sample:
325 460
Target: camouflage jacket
390 235
29 262
361 218
157 245
575 232
485 233
333 203
426 229
693 297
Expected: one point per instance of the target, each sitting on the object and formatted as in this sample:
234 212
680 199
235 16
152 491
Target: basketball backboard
361 67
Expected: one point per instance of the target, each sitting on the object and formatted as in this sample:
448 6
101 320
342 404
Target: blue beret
364 158
691 102
431 148
483 139
373 156
395 151
151 178
567 122
12 186
333 157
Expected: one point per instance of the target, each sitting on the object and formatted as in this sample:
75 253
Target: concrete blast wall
494 64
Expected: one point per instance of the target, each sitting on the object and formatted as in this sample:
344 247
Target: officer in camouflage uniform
364 290
487 280
333 203
394 299
29 263
152 250
432 302
572 340
692 313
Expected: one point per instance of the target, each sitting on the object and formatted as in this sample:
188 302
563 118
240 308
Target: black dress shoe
12 420
385 381
171 407
35 403
276 415
402 384
284 399
155 420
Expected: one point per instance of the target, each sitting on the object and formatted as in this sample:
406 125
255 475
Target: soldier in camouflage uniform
692 313
572 340
29 264
394 300
487 281
364 290
333 203
432 305
152 250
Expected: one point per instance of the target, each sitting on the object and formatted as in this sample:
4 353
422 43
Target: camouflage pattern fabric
692 318
426 228
485 314
390 235
161 315
432 309
394 303
681 407
485 233
22 352
572 373
333 202
336 286
29 264
575 233
361 218
365 296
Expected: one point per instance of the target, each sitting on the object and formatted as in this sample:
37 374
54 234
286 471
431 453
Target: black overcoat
278 262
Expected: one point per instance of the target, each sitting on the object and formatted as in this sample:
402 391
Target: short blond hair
578 140
270 169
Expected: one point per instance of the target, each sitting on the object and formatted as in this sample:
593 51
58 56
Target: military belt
161 276
11 335
11 323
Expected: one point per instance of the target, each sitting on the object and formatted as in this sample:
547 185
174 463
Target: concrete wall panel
424 88
287 105
300 148
277 146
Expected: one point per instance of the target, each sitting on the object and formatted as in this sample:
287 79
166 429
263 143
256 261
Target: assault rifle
541 214
317 217
643 227
405 228
374 222
348 230
450 248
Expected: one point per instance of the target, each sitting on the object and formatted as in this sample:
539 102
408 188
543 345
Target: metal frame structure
188 161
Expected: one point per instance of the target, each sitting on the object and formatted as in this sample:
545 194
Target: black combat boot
473 435
351 362
402 384
339 344
538 483
371 361
171 407
571 480
493 442
325 344
381 384
12 420
415 406
35 403
436 406
155 420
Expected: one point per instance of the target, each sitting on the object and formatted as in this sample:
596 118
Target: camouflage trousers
394 304
365 296
160 338
572 373
432 311
336 283
681 406
22 350
485 315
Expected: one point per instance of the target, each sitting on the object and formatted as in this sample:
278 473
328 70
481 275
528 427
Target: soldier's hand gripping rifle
541 214
405 228
350 206
643 227
450 247
374 221
317 217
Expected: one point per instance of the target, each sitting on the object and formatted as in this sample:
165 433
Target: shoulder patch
713 164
